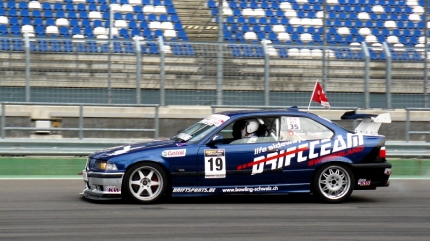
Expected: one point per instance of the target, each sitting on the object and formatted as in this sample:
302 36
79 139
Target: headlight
104 165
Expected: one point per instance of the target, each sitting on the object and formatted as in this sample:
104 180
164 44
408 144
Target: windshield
199 130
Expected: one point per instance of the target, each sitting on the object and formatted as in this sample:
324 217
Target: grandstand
68 41
347 22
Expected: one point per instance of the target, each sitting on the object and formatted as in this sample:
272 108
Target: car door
304 141
234 164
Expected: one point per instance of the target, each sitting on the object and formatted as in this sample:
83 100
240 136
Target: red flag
319 96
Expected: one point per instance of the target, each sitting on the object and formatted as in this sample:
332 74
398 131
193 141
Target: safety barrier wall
178 73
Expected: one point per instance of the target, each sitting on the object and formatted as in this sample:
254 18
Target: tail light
382 152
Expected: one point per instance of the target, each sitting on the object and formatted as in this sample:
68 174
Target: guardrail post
266 73
220 54
388 74
162 71
138 68
366 74
407 129
81 122
3 120
156 122
27 67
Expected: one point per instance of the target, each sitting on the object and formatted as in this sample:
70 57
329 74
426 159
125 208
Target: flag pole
313 92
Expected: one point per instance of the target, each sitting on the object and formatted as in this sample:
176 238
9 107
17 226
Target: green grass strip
60 166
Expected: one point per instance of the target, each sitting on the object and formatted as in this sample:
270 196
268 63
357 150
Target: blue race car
246 152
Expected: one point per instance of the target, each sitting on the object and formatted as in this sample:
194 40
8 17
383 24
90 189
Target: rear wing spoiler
370 123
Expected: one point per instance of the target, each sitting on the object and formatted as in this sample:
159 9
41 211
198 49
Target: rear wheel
333 183
145 183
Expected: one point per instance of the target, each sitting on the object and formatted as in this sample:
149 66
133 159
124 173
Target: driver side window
264 131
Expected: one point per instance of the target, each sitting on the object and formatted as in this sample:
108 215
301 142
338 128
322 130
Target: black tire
333 183
144 183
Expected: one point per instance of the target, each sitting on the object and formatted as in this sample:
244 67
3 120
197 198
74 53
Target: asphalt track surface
53 210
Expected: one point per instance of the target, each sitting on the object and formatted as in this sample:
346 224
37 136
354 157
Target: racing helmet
249 127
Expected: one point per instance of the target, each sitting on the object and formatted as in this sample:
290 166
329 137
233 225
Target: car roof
262 112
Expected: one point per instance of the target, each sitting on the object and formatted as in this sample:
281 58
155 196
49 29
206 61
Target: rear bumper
371 175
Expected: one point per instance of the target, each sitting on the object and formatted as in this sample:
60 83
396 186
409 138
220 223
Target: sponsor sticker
112 189
174 153
215 119
364 182
282 154
293 123
122 151
387 171
192 189
215 163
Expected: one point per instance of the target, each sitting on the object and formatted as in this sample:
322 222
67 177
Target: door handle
273 150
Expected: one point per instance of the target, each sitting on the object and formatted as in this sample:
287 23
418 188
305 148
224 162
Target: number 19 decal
215 163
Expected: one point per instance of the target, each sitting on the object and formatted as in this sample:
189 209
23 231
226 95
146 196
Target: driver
246 129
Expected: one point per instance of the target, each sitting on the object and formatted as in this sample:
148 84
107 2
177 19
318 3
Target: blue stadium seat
70 7
48 14
163 18
182 35
12 13
36 13
25 21
4 44
76 30
144 25
64 32
103 8
17 45
4 31
83 15
24 13
85 23
140 17
60 14
23 5
152 17
146 33
129 17
67 46
124 33
58 7
174 18
171 10
153 49
46 6
56 46
92 7
39 31
13 21
15 30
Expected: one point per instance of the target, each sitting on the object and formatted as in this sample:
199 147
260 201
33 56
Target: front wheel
145 183
333 183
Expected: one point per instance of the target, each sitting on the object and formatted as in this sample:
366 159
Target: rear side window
301 128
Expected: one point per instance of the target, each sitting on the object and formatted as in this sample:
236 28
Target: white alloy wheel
334 183
145 182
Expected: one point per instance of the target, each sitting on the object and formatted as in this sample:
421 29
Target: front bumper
371 175
102 186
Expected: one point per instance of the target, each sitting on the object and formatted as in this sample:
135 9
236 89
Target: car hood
134 147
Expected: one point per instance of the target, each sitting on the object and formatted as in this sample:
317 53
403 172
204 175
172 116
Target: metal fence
80 129
196 73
